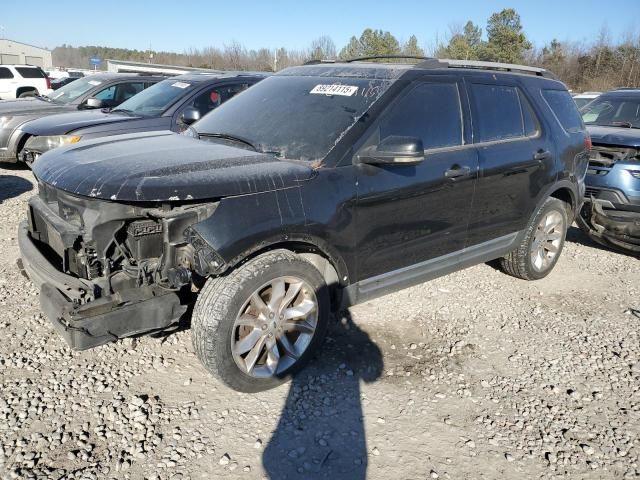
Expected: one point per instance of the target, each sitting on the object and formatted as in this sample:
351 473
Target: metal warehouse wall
20 53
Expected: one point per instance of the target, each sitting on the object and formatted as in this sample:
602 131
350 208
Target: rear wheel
257 326
540 248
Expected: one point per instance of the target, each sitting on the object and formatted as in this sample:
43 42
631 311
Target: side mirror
394 150
94 103
190 115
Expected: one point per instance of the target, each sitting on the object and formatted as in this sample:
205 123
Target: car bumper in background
613 227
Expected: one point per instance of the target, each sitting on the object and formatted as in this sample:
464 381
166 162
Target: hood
164 166
63 123
624 137
31 106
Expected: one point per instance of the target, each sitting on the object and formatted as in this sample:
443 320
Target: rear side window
5 73
498 114
27 72
431 112
564 108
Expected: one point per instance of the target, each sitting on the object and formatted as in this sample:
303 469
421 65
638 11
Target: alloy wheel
547 240
274 327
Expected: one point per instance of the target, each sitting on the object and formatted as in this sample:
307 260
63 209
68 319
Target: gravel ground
474 375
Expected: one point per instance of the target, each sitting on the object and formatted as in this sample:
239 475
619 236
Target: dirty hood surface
163 166
32 106
68 122
625 137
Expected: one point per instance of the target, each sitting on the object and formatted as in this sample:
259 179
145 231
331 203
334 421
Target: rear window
564 108
5 73
498 114
27 72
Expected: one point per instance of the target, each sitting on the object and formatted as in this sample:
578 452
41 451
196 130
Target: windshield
581 102
295 117
156 99
73 90
613 111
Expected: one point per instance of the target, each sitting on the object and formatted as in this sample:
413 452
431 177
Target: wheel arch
316 251
22 90
568 196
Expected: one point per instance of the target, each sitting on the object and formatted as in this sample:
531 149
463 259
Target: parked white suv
19 81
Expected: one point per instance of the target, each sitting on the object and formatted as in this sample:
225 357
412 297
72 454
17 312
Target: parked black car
611 213
172 104
102 90
322 186
62 81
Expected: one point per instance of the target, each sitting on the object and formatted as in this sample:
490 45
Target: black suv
320 187
101 90
172 104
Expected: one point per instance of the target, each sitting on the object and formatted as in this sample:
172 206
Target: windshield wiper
123 110
624 124
233 138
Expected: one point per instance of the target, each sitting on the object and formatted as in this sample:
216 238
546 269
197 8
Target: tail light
48 82
587 143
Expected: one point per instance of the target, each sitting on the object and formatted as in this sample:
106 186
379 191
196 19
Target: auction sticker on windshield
180 84
344 90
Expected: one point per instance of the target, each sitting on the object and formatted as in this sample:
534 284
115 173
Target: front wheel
540 248
258 325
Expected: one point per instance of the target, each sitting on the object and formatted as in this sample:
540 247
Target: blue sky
176 26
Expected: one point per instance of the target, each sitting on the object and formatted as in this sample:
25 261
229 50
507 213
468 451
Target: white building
20 53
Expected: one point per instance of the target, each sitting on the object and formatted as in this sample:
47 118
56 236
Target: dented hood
621 136
164 166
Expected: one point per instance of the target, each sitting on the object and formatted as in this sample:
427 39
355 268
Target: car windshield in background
298 118
73 90
581 102
613 111
156 99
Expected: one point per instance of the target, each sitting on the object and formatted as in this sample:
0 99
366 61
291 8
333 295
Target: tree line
601 65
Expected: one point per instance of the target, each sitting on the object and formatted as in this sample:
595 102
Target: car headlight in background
44 144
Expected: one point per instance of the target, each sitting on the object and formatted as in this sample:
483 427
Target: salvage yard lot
473 375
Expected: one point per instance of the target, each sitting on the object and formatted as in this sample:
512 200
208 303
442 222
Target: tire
224 301
520 262
30 93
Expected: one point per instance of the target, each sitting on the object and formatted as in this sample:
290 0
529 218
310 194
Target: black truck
320 187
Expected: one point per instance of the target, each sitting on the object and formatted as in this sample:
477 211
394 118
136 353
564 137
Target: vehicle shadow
321 432
12 186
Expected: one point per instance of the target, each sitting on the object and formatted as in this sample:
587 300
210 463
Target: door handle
457 171
541 155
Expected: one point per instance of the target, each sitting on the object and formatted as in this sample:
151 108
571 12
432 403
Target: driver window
108 94
213 97
431 112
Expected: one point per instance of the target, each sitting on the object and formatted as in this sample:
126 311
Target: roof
114 75
22 43
365 68
626 91
206 76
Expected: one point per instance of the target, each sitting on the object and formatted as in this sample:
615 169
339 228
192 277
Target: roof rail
319 61
388 57
505 67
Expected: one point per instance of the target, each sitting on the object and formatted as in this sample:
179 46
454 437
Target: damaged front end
109 270
611 212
